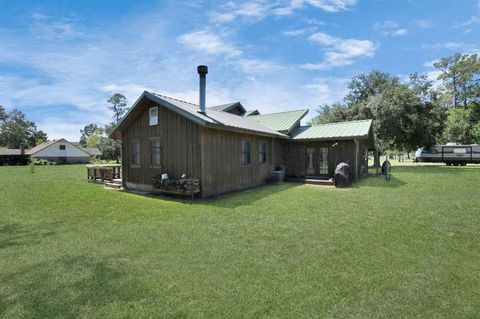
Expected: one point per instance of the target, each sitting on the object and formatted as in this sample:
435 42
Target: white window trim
153 120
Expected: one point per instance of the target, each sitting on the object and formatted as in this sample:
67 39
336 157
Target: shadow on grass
66 287
15 234
232 199
380 181
249 196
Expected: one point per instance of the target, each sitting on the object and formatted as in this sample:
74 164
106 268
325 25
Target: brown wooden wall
223 171
295 155
179 140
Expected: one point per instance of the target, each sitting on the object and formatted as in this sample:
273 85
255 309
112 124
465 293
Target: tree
3 114
476 133
118 104
458 76
405 116
86 132
458 128
16 130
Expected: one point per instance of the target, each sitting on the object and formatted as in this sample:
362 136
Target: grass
408 248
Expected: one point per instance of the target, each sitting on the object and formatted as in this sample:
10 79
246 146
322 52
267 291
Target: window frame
262 159
132 143
151 147
150 116
242 152
62 147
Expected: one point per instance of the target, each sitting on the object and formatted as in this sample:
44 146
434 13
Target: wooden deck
109 175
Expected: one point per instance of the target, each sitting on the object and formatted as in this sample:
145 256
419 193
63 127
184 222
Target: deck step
312 181
112 185
117 180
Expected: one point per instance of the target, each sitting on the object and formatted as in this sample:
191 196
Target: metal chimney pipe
202 72
22 149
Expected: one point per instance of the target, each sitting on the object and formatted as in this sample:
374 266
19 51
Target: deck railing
101 173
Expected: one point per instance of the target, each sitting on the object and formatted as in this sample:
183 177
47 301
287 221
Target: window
262 152
155 159
135 153
61 147
323 160
245 158
153 116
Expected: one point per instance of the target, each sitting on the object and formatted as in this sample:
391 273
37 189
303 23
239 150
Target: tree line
94 135
17 131
411 114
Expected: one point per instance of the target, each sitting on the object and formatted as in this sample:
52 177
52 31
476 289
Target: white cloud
472 20
339 51
252 10
208 43
46 27
390 27
466 47
257 66
332 5
399 32
423 24
57 128
294 33
260 9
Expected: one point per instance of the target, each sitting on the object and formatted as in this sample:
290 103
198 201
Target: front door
317 161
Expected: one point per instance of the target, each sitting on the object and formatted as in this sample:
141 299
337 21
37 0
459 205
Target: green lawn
408 248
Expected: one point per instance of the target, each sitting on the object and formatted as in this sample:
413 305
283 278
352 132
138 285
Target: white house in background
62 151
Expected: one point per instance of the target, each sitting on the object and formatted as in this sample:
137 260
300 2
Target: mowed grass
408 248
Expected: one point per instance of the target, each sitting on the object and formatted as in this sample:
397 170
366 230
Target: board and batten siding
221 157
295 155
179 142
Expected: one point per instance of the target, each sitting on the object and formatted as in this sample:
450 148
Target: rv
450 154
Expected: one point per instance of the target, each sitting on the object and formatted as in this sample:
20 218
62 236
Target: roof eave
333 138
246 131
116 132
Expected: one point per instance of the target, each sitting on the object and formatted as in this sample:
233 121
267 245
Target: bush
37 161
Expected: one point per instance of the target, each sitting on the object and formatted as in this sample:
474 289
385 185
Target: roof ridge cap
279 112
340 122
169 97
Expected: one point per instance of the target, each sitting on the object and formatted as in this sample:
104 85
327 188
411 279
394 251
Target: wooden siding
295 155
221 153
179 141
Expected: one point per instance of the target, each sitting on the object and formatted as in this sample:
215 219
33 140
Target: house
229 148
60 151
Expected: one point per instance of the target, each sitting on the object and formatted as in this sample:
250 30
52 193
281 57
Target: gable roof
251 112
94 151
281 121
213 118
228 107
46 144
328 131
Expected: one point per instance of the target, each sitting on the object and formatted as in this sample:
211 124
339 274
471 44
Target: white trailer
450 154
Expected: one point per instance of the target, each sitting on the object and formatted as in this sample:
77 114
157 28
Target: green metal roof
282 121
328 131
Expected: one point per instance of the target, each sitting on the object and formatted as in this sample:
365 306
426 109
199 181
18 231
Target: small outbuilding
227 148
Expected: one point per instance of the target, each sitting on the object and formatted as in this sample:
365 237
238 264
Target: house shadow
233 199
247 197
65 287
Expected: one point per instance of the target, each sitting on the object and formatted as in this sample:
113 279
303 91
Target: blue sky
61 60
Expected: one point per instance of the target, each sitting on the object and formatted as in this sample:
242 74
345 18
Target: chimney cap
202 69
